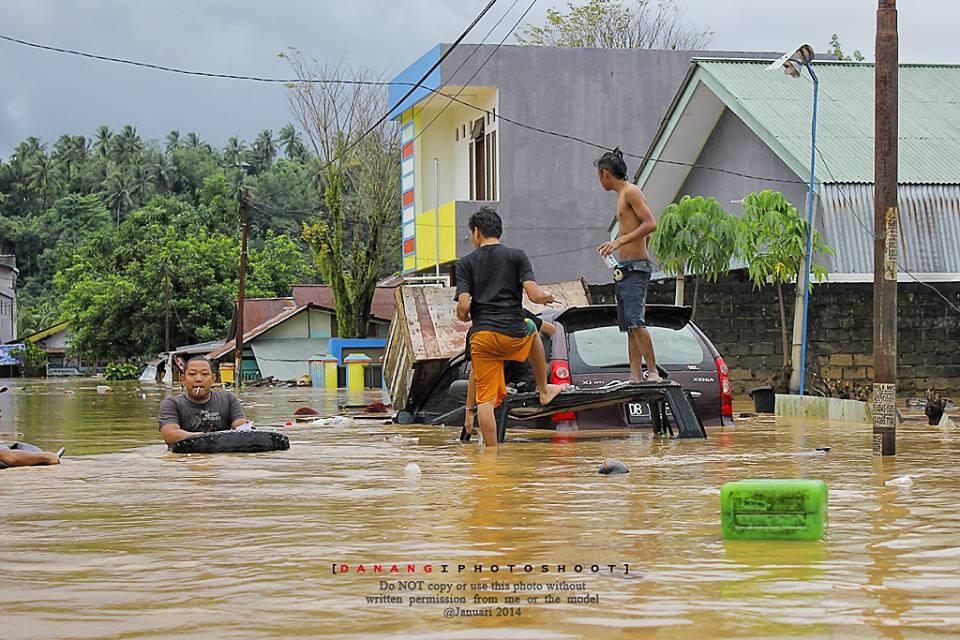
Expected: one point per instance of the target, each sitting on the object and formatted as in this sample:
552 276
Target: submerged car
589 351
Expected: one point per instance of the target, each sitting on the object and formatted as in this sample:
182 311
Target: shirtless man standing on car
632 275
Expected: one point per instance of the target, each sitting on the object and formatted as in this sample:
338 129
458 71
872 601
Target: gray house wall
734 147
8 299
549 197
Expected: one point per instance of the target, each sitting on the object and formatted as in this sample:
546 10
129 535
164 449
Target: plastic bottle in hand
610 261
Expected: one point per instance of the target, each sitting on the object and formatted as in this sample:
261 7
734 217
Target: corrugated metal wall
929 227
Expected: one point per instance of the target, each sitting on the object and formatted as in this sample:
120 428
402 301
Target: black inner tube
232 442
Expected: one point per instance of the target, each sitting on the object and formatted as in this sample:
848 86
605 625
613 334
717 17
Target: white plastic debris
412 469
335 421
902 481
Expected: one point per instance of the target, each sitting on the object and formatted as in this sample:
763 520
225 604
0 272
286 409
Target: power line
478 69
413 87
410 91
202 74
305 213
472 53
390 108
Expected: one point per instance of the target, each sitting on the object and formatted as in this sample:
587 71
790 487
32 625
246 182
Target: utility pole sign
885 233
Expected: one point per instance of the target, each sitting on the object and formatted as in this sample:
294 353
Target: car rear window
605 347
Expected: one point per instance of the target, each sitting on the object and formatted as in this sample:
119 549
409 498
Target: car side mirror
458 390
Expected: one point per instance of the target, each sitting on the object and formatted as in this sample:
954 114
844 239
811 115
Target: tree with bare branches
618 24
359 221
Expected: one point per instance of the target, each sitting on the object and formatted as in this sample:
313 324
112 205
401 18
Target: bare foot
552 391
654 377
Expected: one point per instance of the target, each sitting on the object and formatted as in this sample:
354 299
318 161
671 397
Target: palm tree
165 172
64 155
102 145
41 176
173 140
193 141
80 154
116 192
142 180
127 146
234 152
292 143
264 150
32 146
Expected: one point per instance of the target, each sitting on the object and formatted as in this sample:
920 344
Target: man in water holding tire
199 410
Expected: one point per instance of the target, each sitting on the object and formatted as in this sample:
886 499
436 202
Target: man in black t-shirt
490 286
199 410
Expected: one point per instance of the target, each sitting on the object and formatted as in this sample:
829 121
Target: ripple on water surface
126 540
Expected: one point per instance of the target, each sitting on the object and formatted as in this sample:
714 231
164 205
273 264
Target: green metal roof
778 108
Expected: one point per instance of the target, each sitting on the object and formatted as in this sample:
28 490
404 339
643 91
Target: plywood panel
425 333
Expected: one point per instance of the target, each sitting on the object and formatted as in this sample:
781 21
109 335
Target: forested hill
110 230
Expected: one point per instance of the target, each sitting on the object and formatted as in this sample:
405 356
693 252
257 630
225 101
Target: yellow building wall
427 239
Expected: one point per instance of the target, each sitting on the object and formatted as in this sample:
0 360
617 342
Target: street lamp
792 64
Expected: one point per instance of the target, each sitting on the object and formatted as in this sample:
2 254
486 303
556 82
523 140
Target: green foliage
697 236
33 360
617 24
121 371
837 50
359 183
772 240
64 211
168 256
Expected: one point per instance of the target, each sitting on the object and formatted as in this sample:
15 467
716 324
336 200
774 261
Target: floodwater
125 540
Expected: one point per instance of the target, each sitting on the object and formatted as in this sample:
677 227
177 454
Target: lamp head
791 61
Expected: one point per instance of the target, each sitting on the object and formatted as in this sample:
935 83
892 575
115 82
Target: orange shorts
488 351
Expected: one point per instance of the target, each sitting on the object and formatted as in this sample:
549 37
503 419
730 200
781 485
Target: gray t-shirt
217 414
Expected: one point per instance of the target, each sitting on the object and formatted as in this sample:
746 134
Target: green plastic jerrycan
774 510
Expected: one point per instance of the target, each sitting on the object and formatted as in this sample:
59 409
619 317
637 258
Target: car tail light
560 374
726 389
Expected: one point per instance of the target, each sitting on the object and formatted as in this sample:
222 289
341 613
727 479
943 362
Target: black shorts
632 300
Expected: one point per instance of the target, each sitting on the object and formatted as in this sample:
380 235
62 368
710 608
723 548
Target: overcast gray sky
48 94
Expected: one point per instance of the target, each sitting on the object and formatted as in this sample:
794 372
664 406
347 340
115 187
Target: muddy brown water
125 540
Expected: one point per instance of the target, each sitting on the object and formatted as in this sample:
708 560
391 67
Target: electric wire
464 85
451 99
413 86
466 59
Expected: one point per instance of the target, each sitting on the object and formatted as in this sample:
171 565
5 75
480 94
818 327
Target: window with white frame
481 135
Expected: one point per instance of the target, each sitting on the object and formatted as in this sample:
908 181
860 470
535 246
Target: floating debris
334 421
412 469
612 466
902 481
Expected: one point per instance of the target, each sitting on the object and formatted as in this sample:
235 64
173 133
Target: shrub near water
121 371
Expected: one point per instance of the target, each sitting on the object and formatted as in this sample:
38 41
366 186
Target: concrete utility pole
238 347
885 226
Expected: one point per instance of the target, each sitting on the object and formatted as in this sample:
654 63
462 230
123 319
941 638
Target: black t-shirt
217 414
494 275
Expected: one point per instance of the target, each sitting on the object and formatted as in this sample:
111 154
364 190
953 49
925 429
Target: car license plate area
637 412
